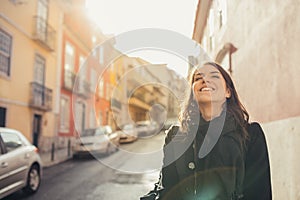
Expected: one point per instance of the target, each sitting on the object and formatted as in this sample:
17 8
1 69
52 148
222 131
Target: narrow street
89 178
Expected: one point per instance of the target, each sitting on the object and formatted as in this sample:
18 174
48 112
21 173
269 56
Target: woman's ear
228 93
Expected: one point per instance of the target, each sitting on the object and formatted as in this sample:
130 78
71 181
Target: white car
147 128
20 163
128 134
96 141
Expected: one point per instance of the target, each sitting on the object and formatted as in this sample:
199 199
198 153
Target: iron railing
40 97
69 79
43 33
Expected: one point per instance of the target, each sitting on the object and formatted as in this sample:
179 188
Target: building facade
79 71
28 69
257 42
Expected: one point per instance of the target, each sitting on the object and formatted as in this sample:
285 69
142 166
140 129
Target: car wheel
33 180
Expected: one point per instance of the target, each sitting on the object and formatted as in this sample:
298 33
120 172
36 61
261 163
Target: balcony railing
43 33
116 104
40 97
82 87
69 80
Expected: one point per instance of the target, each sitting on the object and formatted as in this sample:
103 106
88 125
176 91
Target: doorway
2 116
37 119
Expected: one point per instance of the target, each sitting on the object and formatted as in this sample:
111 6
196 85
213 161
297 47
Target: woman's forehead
205 69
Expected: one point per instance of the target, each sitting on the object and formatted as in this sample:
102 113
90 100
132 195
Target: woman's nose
205 79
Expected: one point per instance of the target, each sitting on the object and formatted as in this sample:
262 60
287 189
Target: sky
116 17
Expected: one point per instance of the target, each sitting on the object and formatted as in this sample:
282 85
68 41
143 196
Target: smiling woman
215 152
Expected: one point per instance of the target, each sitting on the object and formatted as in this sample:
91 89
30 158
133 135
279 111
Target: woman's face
209 86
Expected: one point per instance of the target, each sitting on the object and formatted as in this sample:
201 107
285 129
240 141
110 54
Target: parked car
100 140
128 134
21 166
146 128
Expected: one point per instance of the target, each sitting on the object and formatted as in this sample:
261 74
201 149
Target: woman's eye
215 76
197 79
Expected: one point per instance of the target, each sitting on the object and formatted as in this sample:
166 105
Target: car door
13 166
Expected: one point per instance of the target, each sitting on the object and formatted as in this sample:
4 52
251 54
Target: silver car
128 134
20 163
96 141
147 128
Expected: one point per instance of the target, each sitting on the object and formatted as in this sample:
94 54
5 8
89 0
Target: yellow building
29 67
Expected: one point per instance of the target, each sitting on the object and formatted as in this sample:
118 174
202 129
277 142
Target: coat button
191 165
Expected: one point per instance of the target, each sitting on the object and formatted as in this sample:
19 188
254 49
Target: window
69 57
82 73
5 53
12 141
101 88
93 75
42 13
82 67
222 12
69 66
211 30
39 69
64 114
42 10
39 93
80 110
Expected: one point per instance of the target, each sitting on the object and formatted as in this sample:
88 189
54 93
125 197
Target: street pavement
122 175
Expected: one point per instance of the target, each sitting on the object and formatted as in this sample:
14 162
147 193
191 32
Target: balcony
82 88
40 97
69 80
116 104
43 33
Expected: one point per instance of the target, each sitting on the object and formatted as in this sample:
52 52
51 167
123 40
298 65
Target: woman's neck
209 112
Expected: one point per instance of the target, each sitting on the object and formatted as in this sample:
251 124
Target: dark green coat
221 174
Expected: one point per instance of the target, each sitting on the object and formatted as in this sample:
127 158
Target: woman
215 153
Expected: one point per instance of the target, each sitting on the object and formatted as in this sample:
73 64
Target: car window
128 127
88 132
100 131
12 141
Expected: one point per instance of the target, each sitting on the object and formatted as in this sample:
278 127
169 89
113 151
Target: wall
18 21
265 71
283 138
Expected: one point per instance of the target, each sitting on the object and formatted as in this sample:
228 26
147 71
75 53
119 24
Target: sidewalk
54 157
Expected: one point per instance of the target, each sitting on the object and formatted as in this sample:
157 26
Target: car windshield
88 132
93 132
97 131
128 127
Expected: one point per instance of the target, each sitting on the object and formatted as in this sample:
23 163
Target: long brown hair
190 112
